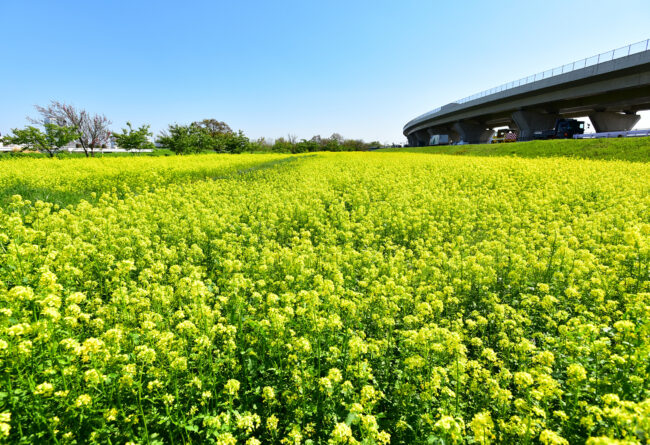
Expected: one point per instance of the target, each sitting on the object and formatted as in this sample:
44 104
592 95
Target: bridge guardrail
624 51
618 53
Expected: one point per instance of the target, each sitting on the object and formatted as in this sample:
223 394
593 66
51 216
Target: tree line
60 125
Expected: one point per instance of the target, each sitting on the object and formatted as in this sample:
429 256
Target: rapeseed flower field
349 298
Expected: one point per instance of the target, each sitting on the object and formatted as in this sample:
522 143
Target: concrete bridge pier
453 135
430 132
604 121
413 141
472 132
529 121
422 138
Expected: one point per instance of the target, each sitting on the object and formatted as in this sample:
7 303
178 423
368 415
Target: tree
92 129
212 134
305 146
181 139
331 144
134 139
205 139
214 127
353 145
317 139
261 144
282 145
50 142
195 138
236 142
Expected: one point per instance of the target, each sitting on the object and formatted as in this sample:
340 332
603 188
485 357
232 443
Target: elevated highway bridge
609 88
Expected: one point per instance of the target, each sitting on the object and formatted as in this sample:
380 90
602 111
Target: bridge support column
604 121
472 132
422 137
413 142
529 121
430 131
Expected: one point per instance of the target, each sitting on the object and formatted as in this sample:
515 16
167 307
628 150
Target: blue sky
360 68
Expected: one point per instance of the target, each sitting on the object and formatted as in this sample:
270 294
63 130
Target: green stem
144 420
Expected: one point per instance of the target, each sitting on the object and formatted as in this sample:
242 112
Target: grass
626 149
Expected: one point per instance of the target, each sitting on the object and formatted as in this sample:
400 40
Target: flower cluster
365 298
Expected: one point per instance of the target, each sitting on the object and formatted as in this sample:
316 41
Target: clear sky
361 68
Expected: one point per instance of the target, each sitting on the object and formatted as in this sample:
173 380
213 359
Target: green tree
305 146
205 139
51 141
282 145
331 144
261 144
214 127
195 138
353 145
134 139
235 142
181 139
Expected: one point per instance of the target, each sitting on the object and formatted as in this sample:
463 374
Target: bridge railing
567 68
